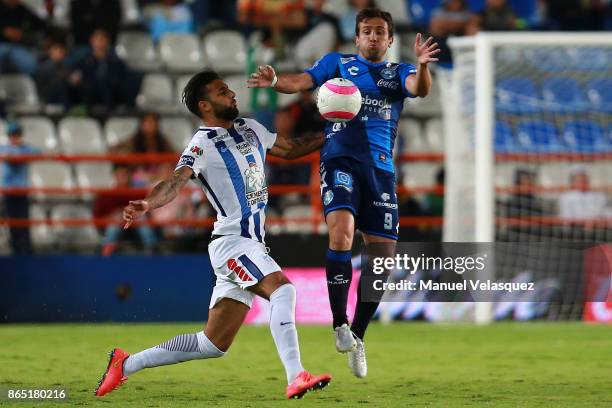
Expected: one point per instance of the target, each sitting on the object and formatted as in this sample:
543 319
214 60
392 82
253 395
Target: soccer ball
338 100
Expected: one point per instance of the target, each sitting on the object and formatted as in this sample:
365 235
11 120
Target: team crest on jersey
251 137
389 72
197 150
328 197
255 185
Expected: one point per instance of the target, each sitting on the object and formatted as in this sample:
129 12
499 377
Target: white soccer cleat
345 341
357 360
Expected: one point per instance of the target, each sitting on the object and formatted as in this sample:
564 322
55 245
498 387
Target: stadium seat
94 174
538 137
119 129
434 134
2 131
598 59
67 235
504 139
336 7
516 95
39 132
420 174
599 92
411 138
181 81
429 106
225 51
61 13
178 131
563 94
398 9
554 174
20 93
420 11
599 172
157 94
181 52
51 174
546 60
504 174
130 13
81 135
37 7
585 136
243 94
41 234
137 50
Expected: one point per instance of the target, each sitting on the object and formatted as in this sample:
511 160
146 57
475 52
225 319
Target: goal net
528 158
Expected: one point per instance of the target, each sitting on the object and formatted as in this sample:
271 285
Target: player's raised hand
425 51
262 78
134 210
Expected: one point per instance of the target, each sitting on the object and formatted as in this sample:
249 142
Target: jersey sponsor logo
389 72
382 83
197 150
255 185
353 70
338 280
186 161
376 102
391 206
344 180
346 60
328 197
244 148
338 127
385 196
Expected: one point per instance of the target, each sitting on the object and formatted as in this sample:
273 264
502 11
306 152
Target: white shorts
238 263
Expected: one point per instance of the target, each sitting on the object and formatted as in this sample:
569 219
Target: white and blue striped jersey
229 166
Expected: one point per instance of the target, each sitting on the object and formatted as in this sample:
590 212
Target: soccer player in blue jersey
358 186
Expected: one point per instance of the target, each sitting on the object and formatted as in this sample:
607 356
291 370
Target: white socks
181 348
282 326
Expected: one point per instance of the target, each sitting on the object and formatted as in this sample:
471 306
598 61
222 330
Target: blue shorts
368 192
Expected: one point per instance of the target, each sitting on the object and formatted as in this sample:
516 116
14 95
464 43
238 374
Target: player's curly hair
195 90
373 12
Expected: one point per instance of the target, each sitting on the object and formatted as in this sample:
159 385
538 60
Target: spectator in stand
111 208
54 77
496 16
173 16
102 77
523 202
148 139
87 16
449 20
576 15
347 20
16 175
580 203
20 32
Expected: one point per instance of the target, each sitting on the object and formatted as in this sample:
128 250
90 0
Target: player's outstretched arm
420 84
293 148
265 77
164 192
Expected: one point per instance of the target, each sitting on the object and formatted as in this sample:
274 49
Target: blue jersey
370 136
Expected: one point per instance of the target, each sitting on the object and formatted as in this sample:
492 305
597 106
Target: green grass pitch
502 365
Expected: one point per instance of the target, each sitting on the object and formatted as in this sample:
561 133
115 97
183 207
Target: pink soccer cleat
305 382
113 377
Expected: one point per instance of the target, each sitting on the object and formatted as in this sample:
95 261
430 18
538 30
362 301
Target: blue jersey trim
338 256
257 221
339 207
212 194
238 183
251 267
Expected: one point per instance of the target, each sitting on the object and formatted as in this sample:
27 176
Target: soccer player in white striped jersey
226 158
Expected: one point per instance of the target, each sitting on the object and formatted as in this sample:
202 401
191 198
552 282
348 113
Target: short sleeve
324 69
405 70
193 156
266 137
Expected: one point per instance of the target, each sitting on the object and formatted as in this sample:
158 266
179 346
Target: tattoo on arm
165 191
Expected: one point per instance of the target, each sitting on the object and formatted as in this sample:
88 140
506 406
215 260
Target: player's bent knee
341 239
285 292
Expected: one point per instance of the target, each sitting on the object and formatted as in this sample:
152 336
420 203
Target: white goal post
470 92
